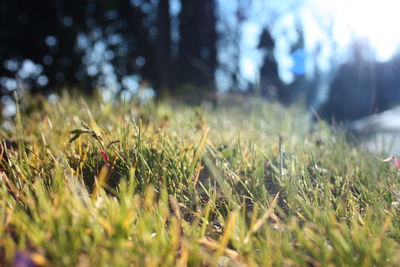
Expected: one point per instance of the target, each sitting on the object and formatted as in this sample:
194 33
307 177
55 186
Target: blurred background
339 57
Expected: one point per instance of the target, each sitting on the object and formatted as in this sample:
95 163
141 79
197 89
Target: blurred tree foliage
78 44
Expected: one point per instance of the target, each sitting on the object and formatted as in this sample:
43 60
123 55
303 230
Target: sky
376 22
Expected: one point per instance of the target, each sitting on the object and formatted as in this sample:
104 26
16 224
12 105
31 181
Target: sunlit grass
229 185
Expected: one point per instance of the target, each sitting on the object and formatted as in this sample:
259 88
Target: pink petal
397 163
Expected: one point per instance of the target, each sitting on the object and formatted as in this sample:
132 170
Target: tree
165 67
197 47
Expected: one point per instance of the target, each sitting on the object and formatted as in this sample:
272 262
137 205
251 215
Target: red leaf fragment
105 156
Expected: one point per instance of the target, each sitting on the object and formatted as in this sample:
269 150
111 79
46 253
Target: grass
233 185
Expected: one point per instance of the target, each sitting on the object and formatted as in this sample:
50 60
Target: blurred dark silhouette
271 86
362 86
353 90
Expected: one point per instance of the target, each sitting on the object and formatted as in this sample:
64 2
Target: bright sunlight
377 21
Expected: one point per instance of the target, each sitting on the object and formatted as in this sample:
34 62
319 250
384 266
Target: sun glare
377 21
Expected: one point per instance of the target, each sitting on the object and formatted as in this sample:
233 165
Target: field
92 183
